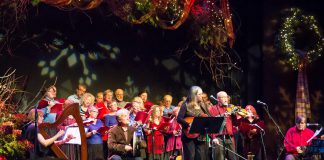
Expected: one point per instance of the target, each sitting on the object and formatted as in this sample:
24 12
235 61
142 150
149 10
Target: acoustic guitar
186 131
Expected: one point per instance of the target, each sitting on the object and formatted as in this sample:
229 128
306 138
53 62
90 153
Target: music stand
206 125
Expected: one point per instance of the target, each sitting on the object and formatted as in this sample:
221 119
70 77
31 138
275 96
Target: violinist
252 128
225 138
50 105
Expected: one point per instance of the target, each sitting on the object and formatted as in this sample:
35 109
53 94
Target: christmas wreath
287 40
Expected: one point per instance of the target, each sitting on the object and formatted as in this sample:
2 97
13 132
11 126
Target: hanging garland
286 37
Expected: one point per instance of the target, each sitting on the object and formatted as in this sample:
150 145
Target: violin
236 109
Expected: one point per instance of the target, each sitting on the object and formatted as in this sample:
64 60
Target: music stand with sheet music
206 125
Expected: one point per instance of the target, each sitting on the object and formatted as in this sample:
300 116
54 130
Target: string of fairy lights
287 39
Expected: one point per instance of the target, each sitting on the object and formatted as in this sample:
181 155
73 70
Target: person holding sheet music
173 145
194 147
296 139
136 106
111 118
154 123
50 105
144 95
87 101
71 150
103 106
41 144
94 140
227 134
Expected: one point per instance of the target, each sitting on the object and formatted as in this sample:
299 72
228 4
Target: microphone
312 124
256 125
212 97
260 102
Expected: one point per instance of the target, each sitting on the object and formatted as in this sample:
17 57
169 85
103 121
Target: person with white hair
121 137
226 137
94 140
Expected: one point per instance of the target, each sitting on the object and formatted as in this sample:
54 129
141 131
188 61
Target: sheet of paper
75 132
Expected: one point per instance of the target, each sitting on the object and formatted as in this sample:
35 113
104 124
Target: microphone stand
223 125
279 132
35 141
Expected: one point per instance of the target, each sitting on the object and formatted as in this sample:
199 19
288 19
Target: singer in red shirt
296 139
252 128
50 105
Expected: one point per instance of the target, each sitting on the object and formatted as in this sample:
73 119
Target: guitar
186 131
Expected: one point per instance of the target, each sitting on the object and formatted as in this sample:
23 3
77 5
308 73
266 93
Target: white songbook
76 134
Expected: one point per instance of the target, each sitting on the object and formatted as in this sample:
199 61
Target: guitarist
220 109
194 148
296 139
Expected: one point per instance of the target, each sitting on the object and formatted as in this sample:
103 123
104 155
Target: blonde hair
153 112
139 101
191 100
108 91
31 114
87 95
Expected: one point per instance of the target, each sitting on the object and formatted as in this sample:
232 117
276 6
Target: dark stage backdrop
100 50
103 52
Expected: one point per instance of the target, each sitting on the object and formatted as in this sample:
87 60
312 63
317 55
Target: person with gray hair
193 147
121 137
295 141
87 101
94 140
225 138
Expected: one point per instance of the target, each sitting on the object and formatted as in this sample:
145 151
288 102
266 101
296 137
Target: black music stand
206 125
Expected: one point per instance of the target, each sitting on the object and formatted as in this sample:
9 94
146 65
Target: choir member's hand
128 148
203 115
68 138
299 150
51 104
227 114
94 132
60 133
322 136
215 141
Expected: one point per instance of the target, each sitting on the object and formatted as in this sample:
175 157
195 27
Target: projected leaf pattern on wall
68 54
